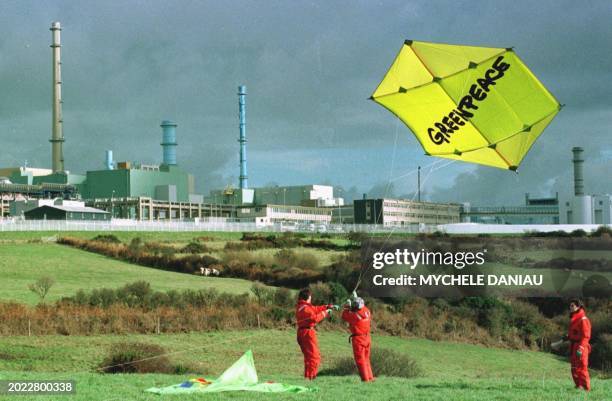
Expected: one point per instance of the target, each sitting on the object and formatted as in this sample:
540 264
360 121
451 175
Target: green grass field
450 371
22 263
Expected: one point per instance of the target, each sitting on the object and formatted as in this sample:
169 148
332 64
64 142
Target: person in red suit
359 317
579 334
308 315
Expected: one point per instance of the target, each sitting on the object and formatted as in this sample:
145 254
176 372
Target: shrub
41 287
195 247
265 295
385 362
321 293
356 238
302 260
157 248
283 297
136 358
602 231
339 294
601 357
136 246
108 238
578 233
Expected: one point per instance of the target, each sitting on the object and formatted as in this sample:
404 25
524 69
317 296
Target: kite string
387 187
432 167
192 348
103 368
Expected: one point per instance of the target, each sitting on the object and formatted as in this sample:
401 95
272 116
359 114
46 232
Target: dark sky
309 68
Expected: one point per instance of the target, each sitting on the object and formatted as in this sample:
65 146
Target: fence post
258 322
29 328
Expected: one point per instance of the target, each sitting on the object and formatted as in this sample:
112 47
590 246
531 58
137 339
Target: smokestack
169 142
242 113
578 177
57 134
110 165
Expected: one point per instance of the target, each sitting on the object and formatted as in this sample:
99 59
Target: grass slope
72 269
451 371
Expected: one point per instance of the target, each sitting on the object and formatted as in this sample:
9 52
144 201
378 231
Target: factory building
129 180
343 214
66 212
297 195
582 208
272 214
404 212
535 211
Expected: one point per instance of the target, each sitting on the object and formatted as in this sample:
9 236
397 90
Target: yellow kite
474 104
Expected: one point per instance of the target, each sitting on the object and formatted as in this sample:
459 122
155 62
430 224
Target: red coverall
308 316
579 335
359 324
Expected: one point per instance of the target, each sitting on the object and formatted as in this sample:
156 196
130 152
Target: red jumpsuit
579 335
308 316
359 324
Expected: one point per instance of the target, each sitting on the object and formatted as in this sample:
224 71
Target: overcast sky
309 68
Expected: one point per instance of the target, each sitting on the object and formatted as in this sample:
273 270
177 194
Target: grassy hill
72 269
451 371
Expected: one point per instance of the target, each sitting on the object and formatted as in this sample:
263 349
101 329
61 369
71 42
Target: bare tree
41 287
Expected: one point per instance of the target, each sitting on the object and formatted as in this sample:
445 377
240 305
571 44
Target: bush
195 247
302 260
265 295
41 287
136 358
601 356
136 246
385 362
157 248
283 297
602 231
339 294
108 238
321 293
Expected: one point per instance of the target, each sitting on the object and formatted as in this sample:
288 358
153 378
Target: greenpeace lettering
453 121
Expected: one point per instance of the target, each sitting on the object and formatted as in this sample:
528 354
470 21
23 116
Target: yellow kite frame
475 104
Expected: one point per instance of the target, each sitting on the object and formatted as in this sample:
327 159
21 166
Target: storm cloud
309 69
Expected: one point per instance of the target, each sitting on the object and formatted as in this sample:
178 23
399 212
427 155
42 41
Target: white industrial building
271 214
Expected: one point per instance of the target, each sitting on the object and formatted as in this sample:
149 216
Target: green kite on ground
241 376
474 104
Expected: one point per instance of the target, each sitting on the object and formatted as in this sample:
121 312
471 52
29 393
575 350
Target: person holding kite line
358 316
308 315
579 334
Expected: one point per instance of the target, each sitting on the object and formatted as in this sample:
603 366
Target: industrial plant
147 192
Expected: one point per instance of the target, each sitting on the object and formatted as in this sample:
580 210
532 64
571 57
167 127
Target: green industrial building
157 182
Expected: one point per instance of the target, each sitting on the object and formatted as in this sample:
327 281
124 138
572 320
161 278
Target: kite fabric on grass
241 376
474 104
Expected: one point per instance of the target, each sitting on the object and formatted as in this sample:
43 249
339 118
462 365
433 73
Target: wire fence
214 225
220 225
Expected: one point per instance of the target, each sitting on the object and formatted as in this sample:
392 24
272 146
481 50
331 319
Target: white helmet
358 303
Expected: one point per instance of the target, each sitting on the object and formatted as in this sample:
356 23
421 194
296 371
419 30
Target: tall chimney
109 164
57 133
578 177
242 115
169 142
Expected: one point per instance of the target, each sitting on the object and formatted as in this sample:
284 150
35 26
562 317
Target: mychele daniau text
462 280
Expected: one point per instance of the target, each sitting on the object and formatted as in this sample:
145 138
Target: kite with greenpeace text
474 104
